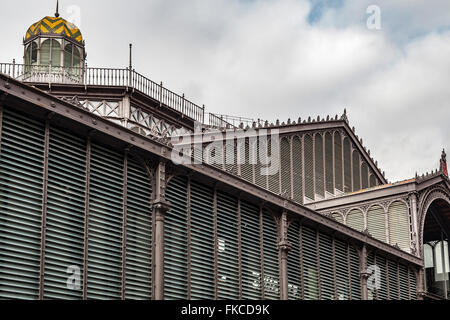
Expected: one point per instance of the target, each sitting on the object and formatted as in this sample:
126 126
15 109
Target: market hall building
93 207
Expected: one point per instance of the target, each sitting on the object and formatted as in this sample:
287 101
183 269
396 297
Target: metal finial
57 9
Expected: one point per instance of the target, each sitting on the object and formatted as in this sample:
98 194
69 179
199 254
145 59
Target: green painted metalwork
309 255
294 267
65 216
202 242
21 179
105 224
138 233
175 240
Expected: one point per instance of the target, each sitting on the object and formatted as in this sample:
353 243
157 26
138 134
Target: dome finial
57 9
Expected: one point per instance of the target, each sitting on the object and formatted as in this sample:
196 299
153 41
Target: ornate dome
54 26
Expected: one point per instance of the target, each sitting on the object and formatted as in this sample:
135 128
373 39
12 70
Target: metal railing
222 120
218 121
105 77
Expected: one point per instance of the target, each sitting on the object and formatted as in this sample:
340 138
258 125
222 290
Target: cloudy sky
280 59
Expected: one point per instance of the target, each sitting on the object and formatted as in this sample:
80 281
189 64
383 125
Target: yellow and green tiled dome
54 26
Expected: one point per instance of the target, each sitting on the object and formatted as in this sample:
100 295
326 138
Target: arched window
50 53
72 57
399 225
320 187
356 175
376 223
355 219
309 168
364 176
329 163
338 160
347 166
31 54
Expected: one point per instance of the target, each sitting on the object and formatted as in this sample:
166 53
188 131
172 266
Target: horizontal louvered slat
202 242
65 215
21 180
326 267
329 163
270 253
309 257
104 277
392 278
250 250
319 165
273 151
354 274
371 290
356 171
175 240
412 284
297 166
227 234
294 269
355 219
285 167
138 233
382 292
338 161
347 166
342 279
399 231
309 167
376 222
404 283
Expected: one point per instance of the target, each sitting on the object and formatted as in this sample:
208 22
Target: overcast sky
280 59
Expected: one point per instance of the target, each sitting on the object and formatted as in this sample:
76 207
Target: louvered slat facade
202 242
228 256
270 254
399 230
175 241
310 265
294 265
21 181
376 222
326 267
64 244
105 224
138 275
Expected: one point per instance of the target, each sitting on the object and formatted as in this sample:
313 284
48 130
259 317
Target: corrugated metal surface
138 233
347 166
356 174
338 161
309 255
326 267
399 225
355 219
270 253
376 223
309 167
393 281
355 274
64 245
250 246
105 224
285 167
404 283
175 240
21 172
329 163
319 165
274 179
227 234
342 276
297 163
294 270
202 242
